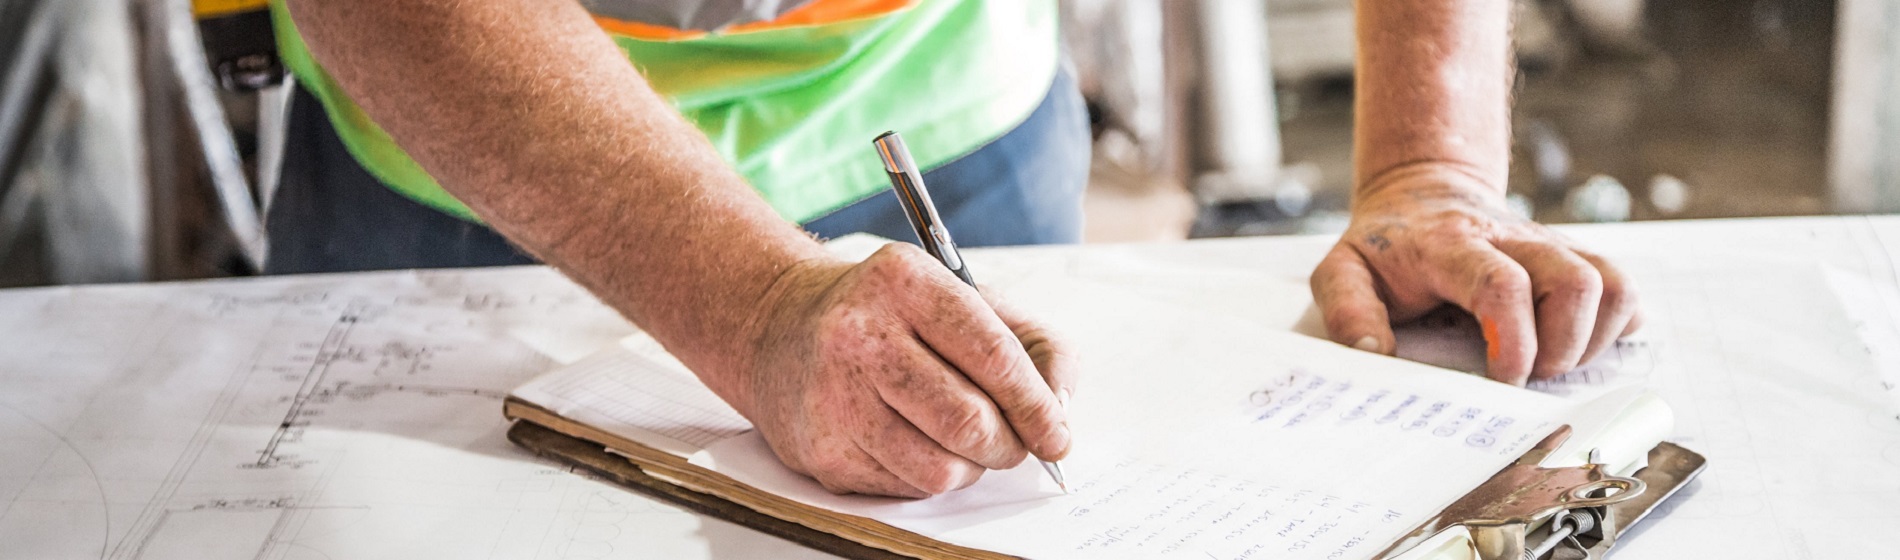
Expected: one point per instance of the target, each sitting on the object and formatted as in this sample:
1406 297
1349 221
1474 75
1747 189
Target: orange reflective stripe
818 12
646 31
821 12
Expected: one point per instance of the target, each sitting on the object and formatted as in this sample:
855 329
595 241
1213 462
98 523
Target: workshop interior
140 140
1241 358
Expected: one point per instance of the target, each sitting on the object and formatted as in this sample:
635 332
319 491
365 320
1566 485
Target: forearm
1433 91
528 113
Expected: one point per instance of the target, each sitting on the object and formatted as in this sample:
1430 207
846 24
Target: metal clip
1568 531
1528 512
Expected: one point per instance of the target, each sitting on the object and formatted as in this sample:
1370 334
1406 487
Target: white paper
1200 437
1777 343
633 395
126 422
346 416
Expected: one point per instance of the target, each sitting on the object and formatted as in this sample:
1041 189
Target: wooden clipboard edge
673 470
598 462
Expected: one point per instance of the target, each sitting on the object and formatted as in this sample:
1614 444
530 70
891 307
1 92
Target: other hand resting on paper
1432 237
892 377
1431 154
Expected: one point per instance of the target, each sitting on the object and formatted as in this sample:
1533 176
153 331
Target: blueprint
321 417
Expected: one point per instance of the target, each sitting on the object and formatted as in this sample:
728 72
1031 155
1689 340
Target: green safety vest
792 93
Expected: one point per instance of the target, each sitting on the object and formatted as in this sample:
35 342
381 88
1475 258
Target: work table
358 415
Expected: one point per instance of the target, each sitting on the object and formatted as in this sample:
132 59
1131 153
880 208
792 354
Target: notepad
1195 436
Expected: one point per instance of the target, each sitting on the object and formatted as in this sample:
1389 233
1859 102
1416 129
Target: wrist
771 319
704 305
1423 181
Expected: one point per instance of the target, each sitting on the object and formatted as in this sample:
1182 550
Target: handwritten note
1220 516
1305 398
1198 436
1234 442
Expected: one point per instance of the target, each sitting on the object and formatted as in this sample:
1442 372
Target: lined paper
639 398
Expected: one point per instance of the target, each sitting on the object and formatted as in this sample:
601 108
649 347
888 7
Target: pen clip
908 183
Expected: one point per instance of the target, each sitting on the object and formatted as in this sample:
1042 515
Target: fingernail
1062 437
1062 398
1367 343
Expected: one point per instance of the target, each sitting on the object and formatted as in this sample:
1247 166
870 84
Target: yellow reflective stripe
206 9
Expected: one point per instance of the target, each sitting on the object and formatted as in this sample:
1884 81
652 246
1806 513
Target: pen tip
1055 473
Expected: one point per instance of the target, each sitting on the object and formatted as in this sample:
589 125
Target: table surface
357 415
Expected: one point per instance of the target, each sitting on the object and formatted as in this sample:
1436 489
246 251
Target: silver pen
908 182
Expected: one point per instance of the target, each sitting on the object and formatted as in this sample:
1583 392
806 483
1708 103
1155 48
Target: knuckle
1002 355
1041 412
969 428
896 259
1581 284
1505 282
1619 295
1455 223
943 476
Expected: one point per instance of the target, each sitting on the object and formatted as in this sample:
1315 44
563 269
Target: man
886 376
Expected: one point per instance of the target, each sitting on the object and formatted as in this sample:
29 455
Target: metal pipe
24 75
1239 139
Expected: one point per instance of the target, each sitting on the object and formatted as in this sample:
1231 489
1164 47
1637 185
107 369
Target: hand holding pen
886 376
908 182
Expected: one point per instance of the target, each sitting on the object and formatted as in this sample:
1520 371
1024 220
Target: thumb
1343 287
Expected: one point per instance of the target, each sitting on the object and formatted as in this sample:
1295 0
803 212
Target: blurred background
139 138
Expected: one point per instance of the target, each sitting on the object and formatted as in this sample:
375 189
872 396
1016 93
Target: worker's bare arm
1431 157
528 113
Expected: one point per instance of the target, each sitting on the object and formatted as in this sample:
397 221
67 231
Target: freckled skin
1429 228
900 394
879 377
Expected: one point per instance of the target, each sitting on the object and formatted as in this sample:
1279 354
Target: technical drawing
296 419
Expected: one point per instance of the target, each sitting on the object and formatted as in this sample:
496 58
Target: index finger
960 327
1479 278
1049 352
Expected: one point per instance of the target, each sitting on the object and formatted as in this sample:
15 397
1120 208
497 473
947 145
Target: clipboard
1525 512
